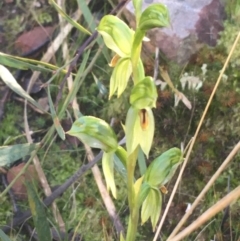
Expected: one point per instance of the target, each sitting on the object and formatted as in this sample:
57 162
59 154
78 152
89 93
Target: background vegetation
81 206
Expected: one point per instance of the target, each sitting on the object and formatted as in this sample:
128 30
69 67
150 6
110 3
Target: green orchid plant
143 193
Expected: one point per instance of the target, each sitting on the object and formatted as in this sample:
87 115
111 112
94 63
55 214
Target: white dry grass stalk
46 58
54 46
193 141
206 188
12 83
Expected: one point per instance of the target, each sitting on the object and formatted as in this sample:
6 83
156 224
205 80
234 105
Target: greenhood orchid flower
94 132
97 133
118 37
139 129
116 34
160 171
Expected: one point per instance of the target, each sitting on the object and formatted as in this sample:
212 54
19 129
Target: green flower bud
144 94
94 132
155 16
116 34
162 169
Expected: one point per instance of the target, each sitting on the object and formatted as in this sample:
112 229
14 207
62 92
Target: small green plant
144 191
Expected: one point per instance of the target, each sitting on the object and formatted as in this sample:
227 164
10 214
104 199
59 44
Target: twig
156 64
204 228
50 199
40 172
58 192
227 209
47 56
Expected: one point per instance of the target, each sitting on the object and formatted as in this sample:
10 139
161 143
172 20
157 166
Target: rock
193 24
33 39
19 187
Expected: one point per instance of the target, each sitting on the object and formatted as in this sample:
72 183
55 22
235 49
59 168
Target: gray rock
193 23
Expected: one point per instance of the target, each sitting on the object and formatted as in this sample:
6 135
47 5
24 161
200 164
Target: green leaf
107 164
120 76
152 207
68 18
94 132
10 81
55 118
25 63
38 214
139 129
116 34
154 16
10 154
162 169
144 94
3 236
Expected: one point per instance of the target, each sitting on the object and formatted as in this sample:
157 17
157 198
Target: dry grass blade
219 206
48 55
69 19
206 188
195 136
41 174
11 82
53 48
